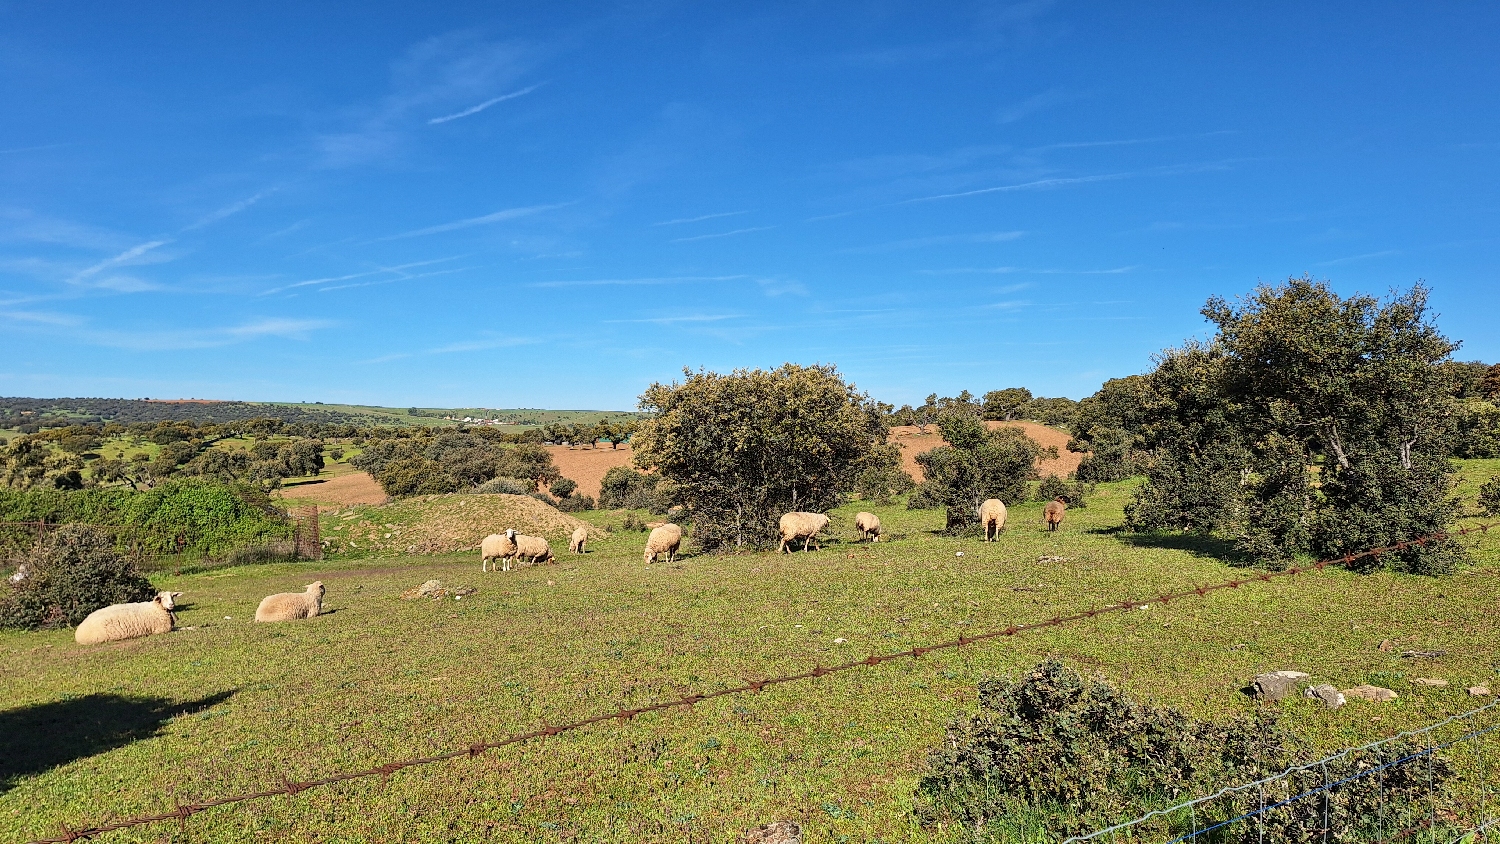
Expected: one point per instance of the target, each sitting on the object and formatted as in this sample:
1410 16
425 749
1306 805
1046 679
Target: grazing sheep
577 540
500 547
868 525
128 621
533 548
803 526
992 518
286 606
663 540
1054 513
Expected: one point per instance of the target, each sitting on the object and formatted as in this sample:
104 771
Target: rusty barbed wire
291 788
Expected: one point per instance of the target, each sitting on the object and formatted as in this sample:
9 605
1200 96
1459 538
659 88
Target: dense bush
739 450
189 515
1053 754
1489 496
882 478
72 571
506 486
976 464
627 488
452 461
1310 424
1075 494
1079 754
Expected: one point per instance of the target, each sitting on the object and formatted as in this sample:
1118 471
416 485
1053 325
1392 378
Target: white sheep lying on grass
128 621
803 526
663 540
286 606
498 546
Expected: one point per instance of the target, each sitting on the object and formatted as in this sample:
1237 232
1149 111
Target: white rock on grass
1374 694
1275 685
1429 681
1331 697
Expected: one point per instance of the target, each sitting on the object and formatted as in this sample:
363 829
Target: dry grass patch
914 442
441 524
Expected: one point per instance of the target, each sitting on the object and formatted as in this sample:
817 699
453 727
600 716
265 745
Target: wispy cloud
470 222
680 319
636 282
40 317
486 104
206 338
721 234
937 240
456 348
1156 139
412 277
129 256
1027 270
228 210
398 270
1033 104
1381 254
1038 184
700 219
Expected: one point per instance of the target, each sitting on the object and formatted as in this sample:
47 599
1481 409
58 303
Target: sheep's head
167 600
316 588
510 533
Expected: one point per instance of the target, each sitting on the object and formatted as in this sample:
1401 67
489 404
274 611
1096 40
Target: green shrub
1054 754
627 488
1075 494
176 516
506 486
1073 754
73 571
1489 496
562 487
575 503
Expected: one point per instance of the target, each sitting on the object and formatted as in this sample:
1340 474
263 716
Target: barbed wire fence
1381 791
184 810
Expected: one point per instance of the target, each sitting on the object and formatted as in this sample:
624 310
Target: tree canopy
741 449
1309 424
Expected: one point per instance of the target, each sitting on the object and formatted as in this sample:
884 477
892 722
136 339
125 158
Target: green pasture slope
225 705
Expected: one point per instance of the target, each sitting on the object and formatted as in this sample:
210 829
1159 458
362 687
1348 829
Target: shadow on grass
1196 544
35 739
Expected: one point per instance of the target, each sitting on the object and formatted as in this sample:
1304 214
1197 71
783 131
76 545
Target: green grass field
226 705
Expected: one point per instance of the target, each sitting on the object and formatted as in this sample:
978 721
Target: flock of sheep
130 621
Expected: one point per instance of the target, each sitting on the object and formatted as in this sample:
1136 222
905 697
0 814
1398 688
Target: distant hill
15 412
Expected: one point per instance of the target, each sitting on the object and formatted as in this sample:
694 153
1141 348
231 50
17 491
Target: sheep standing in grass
992 518
577 540
1054 513
664 540
128 621
500 547
803 526
533 549
868 525
286 606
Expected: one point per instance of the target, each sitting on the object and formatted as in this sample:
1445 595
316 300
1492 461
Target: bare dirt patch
586 466
339 491
913 442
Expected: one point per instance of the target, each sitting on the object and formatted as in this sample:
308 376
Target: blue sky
553 205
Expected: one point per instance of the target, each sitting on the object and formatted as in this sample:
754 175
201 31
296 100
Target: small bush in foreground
1054 754
1489 496
73 571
